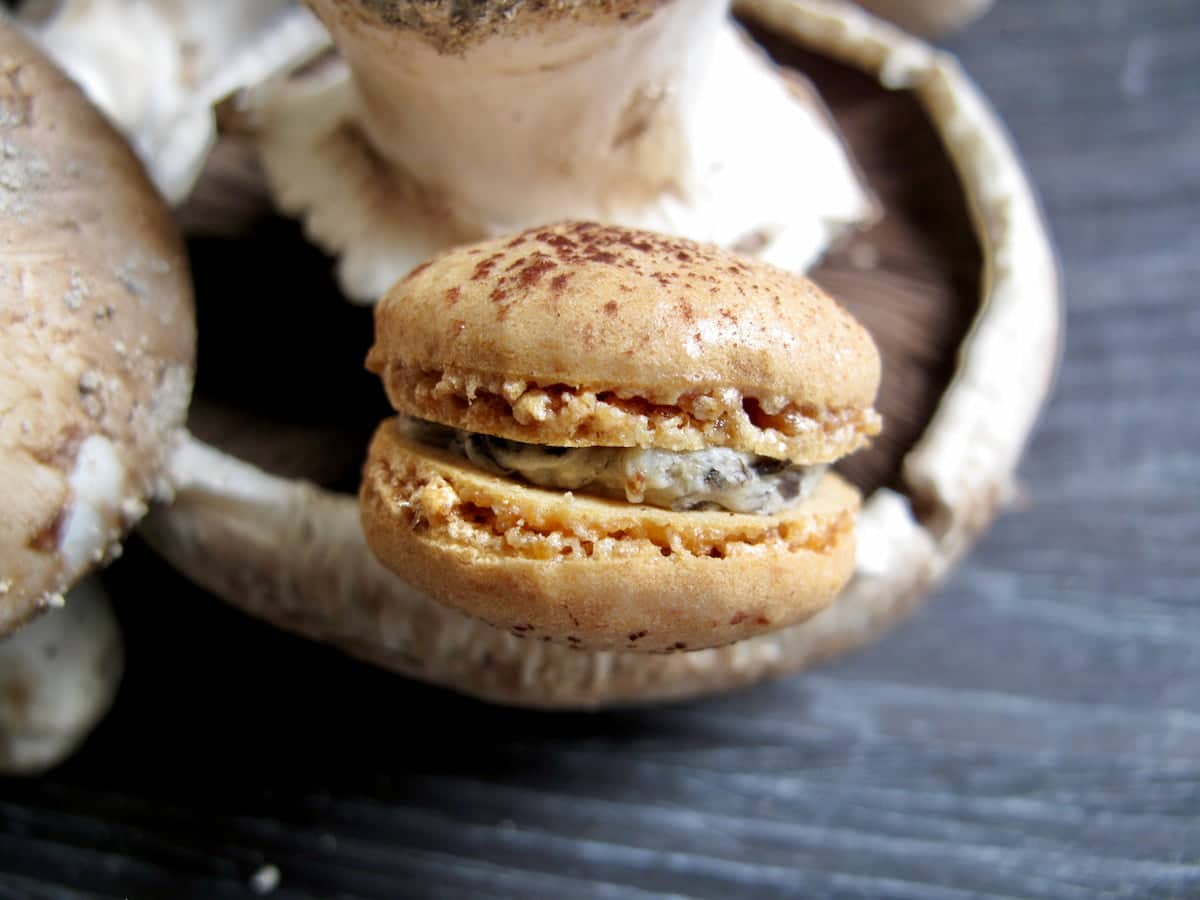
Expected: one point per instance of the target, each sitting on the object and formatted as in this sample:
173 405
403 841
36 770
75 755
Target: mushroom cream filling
714 478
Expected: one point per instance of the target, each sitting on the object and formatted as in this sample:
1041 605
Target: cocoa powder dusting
532 273
669 261
417 270
589 242
604 257
559 242
484 267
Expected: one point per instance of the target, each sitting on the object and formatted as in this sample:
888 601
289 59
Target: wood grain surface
1034 732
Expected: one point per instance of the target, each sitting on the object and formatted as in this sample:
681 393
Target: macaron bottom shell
599 574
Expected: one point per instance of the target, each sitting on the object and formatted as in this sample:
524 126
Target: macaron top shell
581 334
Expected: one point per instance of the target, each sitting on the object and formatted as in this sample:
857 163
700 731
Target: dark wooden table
1034 732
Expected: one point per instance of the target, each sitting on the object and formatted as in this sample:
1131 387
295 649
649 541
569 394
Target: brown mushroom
97 337
448 122
97 332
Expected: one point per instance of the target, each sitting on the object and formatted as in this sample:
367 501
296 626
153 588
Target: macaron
615 439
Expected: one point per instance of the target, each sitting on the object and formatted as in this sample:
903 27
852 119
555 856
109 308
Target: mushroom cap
581 334
97 333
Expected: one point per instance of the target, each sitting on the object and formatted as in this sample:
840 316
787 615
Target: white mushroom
449 122
58 678
158 67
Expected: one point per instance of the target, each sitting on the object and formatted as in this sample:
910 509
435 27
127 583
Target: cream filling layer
715 478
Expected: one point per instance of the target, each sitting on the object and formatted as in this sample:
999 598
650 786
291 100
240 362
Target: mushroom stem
572 115
656 114
58 678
